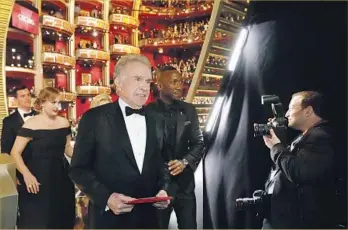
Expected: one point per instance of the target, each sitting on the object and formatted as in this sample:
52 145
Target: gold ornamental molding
92 22
124 49
92 90
125 20
174 12
5 14
50 22
12 103
57 58
13 70
67 96
157 11
92 54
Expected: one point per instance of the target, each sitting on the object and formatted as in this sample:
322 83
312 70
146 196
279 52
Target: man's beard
167 96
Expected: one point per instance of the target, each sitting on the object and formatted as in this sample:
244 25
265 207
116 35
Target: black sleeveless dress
54 205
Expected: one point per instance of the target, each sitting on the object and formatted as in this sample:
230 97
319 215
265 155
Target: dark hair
167 68
19 88
164 69
314 99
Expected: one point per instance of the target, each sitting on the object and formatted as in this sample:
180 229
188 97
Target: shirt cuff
107 209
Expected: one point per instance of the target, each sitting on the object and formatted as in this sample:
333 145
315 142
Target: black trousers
184 206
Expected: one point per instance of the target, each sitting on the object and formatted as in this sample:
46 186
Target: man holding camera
301 186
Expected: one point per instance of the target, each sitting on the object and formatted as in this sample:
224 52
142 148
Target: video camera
279 123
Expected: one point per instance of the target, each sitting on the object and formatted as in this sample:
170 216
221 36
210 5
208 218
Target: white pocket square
187 122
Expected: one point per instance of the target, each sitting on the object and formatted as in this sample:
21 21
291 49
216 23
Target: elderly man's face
134 84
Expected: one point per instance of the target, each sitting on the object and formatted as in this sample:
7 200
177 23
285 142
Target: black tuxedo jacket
11 125
189 142
103 163
303 192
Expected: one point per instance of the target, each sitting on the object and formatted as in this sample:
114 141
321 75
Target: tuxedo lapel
151 136
180 125
20 119
118 124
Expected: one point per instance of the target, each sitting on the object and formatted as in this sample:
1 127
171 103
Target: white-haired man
117 155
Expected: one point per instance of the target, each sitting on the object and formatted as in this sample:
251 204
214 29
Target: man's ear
309 111
117 83
159 85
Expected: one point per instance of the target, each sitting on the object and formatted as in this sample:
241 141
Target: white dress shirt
22 112
136 128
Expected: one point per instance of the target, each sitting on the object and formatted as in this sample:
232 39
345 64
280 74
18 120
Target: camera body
259 203
279 123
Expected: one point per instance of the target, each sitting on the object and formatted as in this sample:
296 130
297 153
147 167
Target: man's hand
118 203
271 140
162 204
176 167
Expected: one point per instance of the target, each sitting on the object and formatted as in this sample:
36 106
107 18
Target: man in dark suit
301 185
184 148
13 122
117 154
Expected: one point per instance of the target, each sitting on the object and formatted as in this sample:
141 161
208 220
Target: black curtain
290 47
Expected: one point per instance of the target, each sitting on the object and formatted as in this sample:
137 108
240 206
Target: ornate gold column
5 15
106 68
135 13
72 73
38 79
8 193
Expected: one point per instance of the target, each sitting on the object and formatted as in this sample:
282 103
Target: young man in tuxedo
301 186
117 154
13 122
184 148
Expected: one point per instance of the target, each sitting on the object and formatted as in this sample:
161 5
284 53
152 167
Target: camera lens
261 129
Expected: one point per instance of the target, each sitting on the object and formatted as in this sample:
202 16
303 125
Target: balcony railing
92 54
92 22
57 24
57 58
92 90
126 20
67 96
124 49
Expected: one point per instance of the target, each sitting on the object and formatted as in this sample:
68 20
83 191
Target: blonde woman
46 194
99 100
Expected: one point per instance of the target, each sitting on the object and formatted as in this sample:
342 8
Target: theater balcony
91 22
57 24
97 55
121 49
124 20
58 59
90 90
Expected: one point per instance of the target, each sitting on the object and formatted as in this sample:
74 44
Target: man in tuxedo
301 186
117 154
185 147
13 122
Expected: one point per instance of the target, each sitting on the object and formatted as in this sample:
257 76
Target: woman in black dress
46 193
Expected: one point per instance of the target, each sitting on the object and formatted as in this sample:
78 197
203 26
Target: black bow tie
28 114
130 111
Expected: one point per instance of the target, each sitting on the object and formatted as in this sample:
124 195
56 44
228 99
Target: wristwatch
185 162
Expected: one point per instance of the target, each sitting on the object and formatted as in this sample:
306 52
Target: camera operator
301 185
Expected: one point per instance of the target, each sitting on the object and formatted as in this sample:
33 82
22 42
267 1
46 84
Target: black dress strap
67 130
25 132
